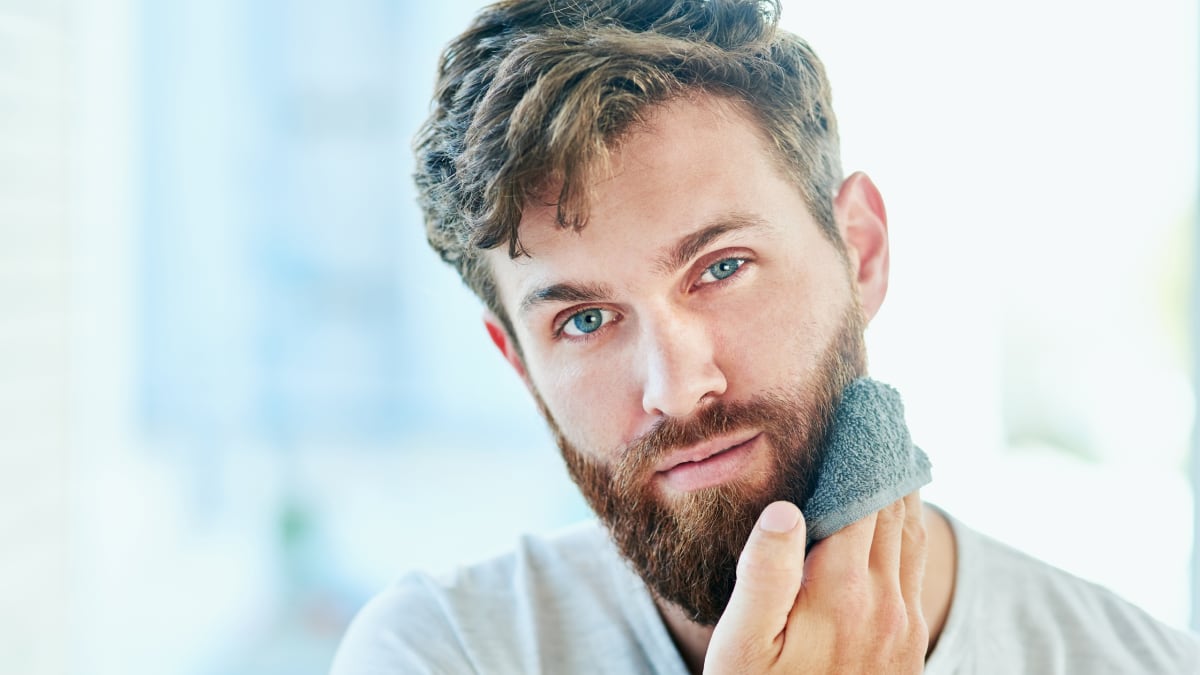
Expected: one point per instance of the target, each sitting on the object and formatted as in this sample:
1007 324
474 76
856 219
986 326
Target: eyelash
560 328
560 332
740 261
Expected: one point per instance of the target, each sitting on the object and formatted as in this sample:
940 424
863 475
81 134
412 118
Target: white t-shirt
569 604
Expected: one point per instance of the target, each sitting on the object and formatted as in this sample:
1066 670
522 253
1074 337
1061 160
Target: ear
862 221
505 343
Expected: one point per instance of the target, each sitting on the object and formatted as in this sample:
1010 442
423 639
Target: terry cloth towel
870 460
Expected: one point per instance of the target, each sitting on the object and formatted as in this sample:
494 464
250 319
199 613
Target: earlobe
505 343
862 220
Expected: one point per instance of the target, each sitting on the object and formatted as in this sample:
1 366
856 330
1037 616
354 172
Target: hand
852 606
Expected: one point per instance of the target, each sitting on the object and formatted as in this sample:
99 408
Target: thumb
769 574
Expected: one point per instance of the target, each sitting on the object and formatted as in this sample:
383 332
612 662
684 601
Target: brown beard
686 547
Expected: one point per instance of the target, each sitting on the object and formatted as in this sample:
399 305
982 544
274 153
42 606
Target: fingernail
779 517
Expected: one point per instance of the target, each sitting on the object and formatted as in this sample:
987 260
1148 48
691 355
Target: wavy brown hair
536 94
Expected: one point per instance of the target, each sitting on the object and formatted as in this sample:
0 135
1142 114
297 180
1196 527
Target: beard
686 546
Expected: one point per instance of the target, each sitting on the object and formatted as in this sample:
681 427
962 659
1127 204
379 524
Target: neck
938 590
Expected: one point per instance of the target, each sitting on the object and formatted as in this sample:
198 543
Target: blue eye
722 269
587 321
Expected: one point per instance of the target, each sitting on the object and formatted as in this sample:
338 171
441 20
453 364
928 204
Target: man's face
688 346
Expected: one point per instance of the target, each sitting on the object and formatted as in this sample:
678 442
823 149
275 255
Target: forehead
688 163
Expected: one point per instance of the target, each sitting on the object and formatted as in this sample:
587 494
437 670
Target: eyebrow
566 292
668 262
687 248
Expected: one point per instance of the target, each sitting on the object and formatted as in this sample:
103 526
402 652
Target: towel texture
870 460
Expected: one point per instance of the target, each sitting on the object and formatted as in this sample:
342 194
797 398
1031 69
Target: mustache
717 418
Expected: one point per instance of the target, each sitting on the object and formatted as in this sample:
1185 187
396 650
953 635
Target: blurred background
238 394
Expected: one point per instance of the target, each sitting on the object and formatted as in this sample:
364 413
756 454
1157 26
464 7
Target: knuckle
756 563
770 554
852 609
919 631
891 618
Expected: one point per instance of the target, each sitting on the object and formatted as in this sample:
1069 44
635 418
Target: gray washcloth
870 460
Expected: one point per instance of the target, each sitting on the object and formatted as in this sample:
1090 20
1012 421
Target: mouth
709 464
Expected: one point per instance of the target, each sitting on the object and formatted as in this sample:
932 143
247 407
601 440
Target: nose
681 367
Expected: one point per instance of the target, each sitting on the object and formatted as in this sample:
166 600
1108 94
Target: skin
673 337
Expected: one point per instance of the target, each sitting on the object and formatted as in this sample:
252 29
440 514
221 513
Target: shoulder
514 613
1038 618
401 630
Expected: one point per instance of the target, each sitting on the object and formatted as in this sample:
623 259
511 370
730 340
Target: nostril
683 397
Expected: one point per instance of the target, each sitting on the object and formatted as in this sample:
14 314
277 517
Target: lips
704 451
710 464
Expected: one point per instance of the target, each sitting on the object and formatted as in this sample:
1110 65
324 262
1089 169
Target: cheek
587 403
779 338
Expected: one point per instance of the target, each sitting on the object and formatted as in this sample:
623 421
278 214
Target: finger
840 558
837 589
913 550
886 546
769 573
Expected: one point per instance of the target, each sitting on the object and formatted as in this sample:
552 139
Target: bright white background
238 394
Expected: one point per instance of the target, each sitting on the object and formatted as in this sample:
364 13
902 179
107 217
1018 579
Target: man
647 195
